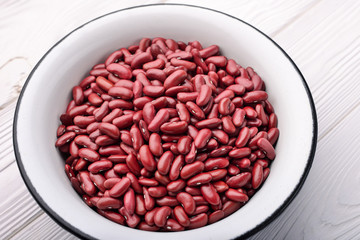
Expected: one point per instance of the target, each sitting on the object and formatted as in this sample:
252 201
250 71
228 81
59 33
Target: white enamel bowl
47 92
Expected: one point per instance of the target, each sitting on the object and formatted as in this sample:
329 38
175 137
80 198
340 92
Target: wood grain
322 37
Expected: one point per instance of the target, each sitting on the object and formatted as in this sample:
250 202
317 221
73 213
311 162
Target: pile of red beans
168 136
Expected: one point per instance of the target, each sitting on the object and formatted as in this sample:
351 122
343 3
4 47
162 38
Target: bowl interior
48 89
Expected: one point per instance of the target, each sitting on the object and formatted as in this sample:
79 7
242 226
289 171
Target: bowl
48 89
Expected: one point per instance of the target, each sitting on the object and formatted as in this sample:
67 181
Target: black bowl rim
83 235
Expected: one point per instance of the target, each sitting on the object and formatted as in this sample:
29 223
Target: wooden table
321 36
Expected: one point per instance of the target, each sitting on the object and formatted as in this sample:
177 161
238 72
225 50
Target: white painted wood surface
322 37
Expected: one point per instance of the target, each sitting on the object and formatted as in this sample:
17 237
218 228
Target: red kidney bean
161 216
123 121
148 112
208 123
103 83
249 85
225 94
202 138
167 201
190 157
198 221
220 186
173 91
209 193
238 117
109 183
140 59
185 97
209 51
157 192
129 201
78 95
121 92
104 140
230 207
146 158
110 130
148 181
181 216
255 96
216 216
204 95
175 79
193 190
226 106
146 227
156 64
243 138
240 152
89 154
119 103
239 180
131 220
113 216
201 178
176 186
98 181
86 183
219 61
136 137
184 145
273 135
262 115
86 82
100 166
272 121
65 138
133 164
233 170
140 205
257 175
195 110
172 225
125 83
187 202
164 163
266 147
113 57
215 163
153 91
155 145
120 188
228 125
174 127
221 151
108 203
120 70
191 169
236 196
102 111
161 117
121 168
232 68
176 167
220 136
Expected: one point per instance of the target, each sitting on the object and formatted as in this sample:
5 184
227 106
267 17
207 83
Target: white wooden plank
43 228
268 16
6 149
17 207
